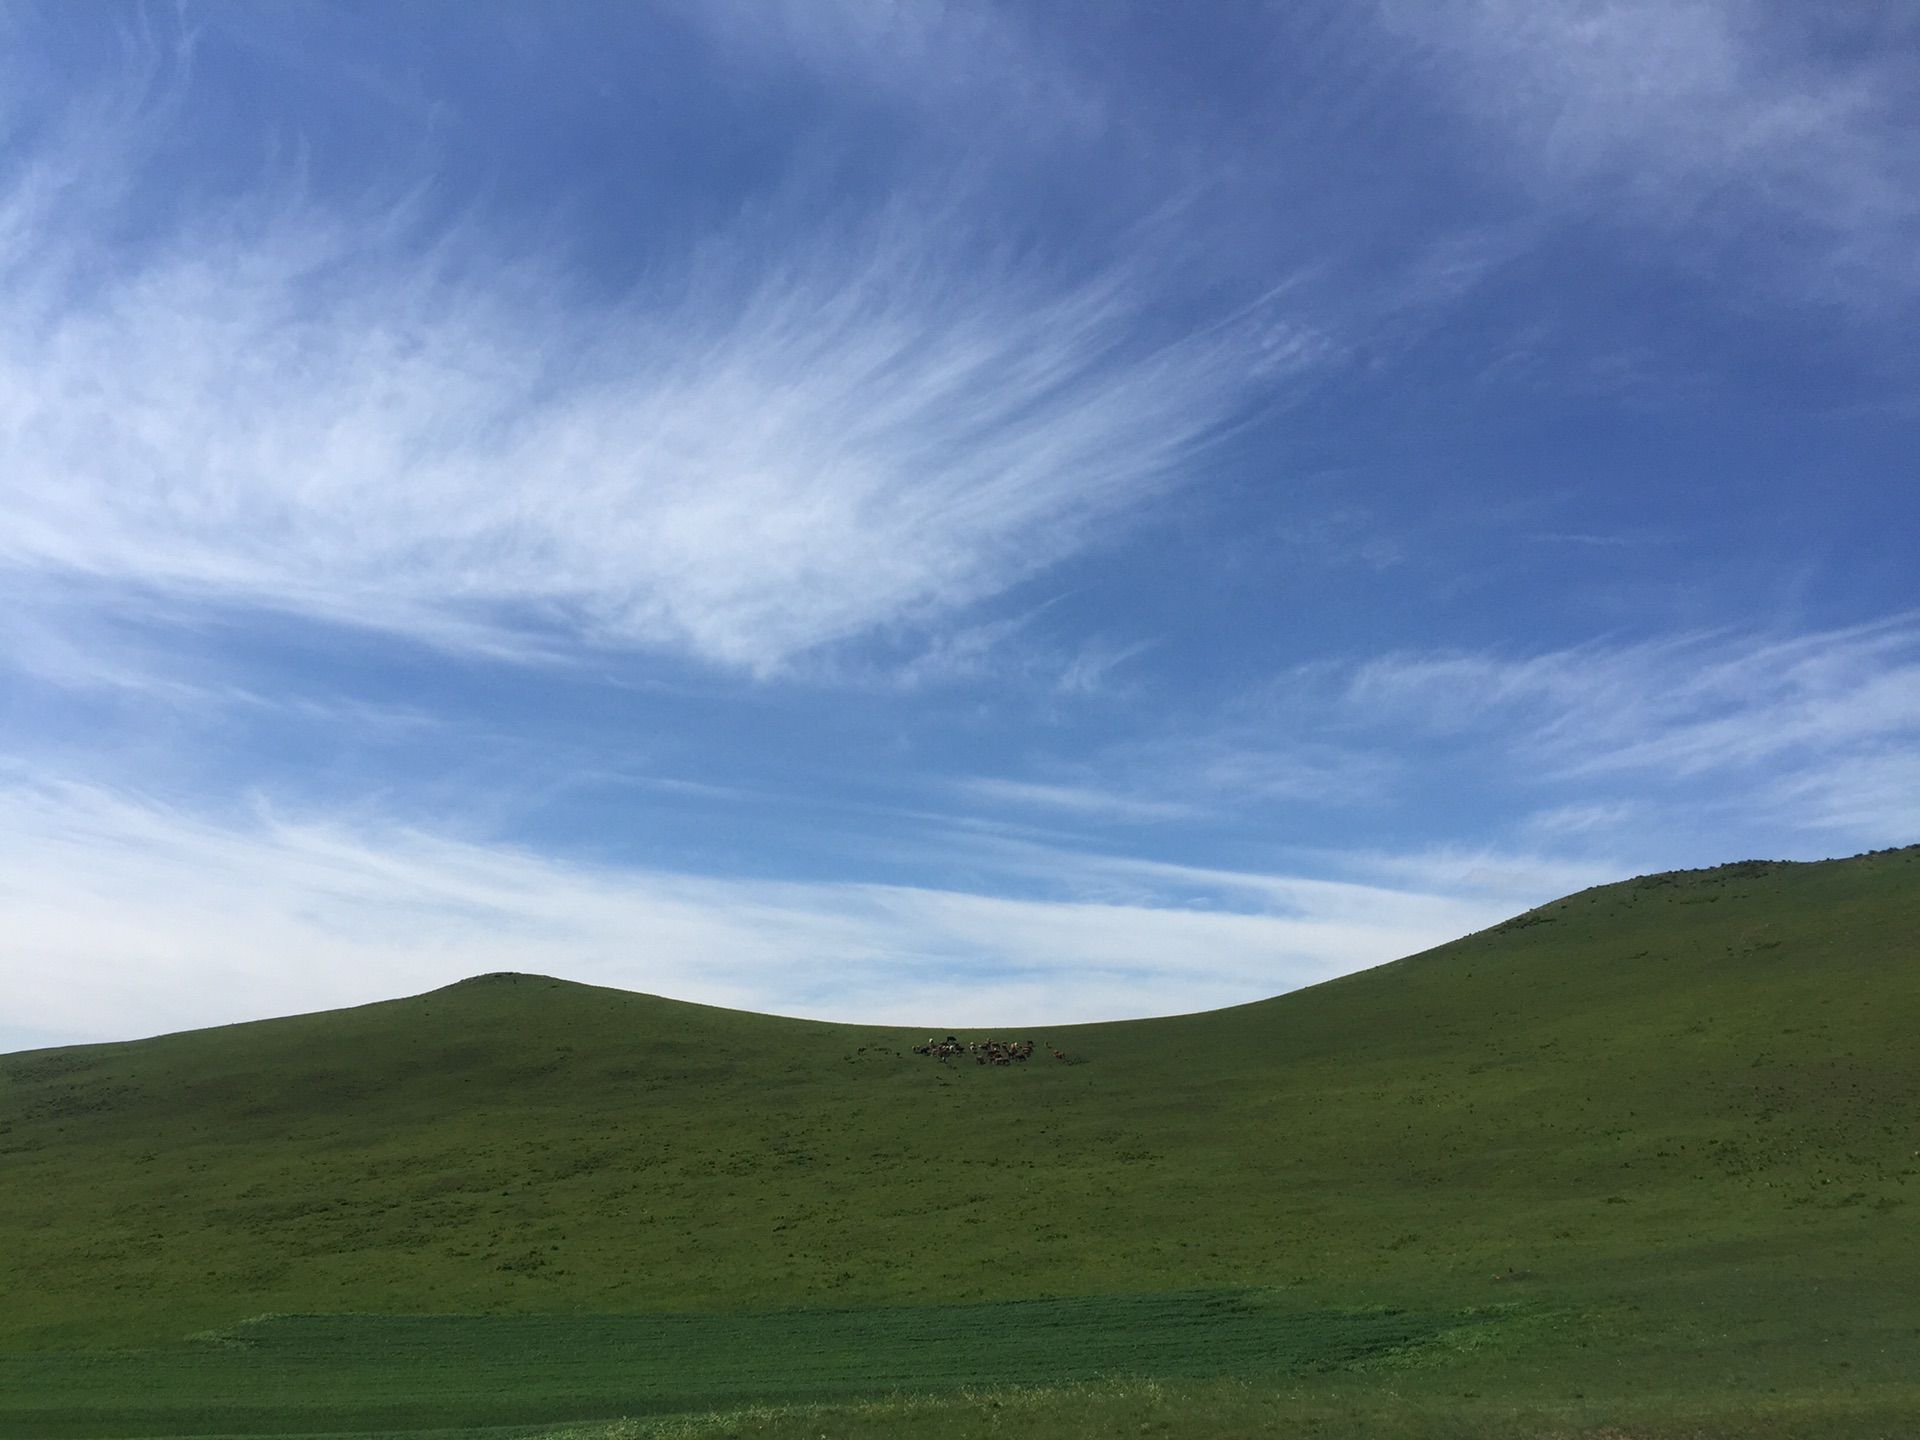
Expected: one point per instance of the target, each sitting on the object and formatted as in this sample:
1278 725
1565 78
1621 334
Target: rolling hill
1652 1150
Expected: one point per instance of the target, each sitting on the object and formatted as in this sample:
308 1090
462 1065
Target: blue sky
932 513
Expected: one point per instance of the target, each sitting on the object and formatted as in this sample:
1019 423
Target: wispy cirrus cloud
1084 801
1872 793
1827 721
1188 779
1592 760
1683 705
972 65
812 430
130 916
1480 871
1449 890
1707 113
1595 758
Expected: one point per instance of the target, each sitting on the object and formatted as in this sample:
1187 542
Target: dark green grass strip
357 1373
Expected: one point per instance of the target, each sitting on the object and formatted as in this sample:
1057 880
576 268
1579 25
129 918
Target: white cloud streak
1189 778
1084 801
128 917
1706 112
810 432
1872 793
1828 722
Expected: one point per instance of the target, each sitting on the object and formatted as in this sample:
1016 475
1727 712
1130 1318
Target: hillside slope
1690 1098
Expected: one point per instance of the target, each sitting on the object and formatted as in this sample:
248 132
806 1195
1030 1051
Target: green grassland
361 1373
1648 1156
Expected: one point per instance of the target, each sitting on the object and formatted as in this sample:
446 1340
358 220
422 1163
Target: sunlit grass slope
1682 1114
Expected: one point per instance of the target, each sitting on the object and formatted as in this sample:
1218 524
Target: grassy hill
1652 1150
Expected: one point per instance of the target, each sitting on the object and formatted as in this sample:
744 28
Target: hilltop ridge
1626 1085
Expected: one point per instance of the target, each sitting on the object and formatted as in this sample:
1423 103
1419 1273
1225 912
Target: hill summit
1697 1074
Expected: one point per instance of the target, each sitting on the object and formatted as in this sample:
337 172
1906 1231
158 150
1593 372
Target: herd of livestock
983 1052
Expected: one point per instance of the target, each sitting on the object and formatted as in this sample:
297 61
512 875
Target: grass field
367 1373
1647 1157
